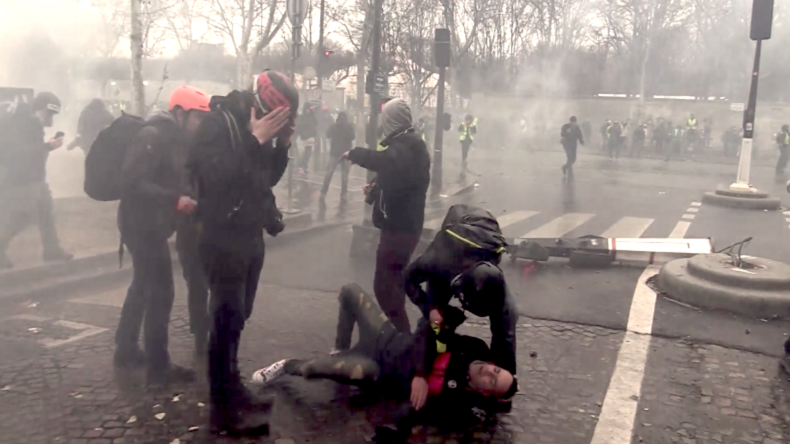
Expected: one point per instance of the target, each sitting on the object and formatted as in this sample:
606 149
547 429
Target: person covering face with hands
240 153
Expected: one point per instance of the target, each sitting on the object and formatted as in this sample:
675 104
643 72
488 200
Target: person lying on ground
432 366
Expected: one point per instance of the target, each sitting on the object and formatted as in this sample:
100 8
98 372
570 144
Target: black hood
237 103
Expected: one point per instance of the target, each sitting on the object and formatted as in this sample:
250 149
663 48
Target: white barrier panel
656 251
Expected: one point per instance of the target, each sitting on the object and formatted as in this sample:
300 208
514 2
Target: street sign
309 73
315 94
739 107
328 85
377 84
297 10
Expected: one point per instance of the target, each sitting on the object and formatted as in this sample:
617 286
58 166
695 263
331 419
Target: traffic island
747 199
759 288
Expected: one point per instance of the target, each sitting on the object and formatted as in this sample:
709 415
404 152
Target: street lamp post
442 54
762 18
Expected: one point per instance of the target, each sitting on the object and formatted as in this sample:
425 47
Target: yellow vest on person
692 123
466 131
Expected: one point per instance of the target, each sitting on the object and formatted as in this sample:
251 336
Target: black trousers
781 163
503 333
305 160
149 300
195 276
366 361
233 281
570 155
23 205
465 145
392 257
334 161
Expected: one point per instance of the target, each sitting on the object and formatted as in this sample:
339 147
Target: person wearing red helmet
235 162
154 195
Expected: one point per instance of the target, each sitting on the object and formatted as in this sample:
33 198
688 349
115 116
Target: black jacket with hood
94 118
153 179
234 174
403 172
341 135
23 151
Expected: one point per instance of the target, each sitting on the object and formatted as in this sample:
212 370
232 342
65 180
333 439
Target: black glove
275 225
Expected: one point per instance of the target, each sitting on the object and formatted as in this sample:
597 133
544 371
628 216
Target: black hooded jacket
94 118
23 151
234 174
153 179
403 176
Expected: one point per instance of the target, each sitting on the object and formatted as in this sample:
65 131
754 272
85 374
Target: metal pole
436 176
289 209
320 58
375 66
745 158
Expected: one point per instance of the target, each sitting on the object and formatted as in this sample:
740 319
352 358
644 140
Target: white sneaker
335 352
269 374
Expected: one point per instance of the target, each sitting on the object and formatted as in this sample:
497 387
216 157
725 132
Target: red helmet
273 90
189 98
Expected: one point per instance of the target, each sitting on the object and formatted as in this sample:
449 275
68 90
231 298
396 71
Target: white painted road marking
560 226
688 216
618 413
680 230
85 331
509 219
630 227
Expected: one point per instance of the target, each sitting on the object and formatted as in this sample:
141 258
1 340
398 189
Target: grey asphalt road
706 377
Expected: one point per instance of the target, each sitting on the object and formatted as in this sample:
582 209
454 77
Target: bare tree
249 25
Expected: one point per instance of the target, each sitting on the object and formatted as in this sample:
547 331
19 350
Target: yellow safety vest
692 123
440 346
379 147
466 131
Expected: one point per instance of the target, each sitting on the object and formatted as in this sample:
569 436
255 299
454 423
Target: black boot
243 397
232 422
131 357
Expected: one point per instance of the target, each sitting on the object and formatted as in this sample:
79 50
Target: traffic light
327 53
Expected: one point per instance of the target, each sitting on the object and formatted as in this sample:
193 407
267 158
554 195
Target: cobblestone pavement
71 394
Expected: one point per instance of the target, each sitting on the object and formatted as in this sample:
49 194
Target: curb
457 190
707 281
744 202
103 268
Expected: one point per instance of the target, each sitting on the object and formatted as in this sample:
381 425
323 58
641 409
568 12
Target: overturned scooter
600 251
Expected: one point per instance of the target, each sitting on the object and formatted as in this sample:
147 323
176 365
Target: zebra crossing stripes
505 220
628 227
560 226
514 222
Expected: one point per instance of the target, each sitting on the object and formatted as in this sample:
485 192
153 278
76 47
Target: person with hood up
235 162
25 197
153 195
94 118
341 137
398 195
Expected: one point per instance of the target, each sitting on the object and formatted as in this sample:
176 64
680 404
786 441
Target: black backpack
105 159
468 235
